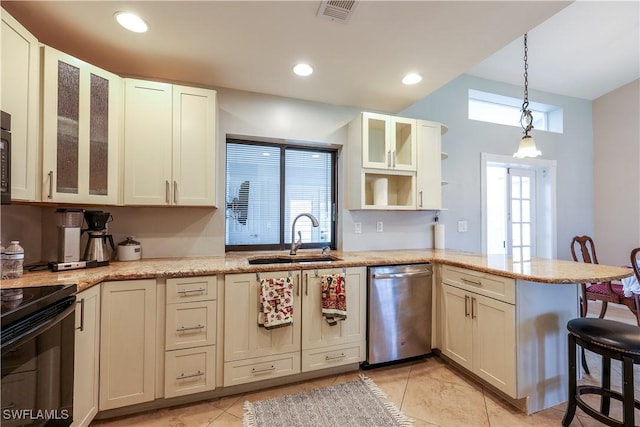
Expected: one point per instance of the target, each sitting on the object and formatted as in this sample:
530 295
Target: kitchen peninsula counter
549 271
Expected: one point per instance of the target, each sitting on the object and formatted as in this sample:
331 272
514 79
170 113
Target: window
504 110
269 185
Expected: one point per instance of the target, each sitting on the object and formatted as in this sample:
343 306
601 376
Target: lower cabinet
87 350
325 345
190 336
253 353
479 331
127 343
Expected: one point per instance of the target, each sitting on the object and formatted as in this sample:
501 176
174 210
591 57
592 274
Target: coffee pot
97 249
98 237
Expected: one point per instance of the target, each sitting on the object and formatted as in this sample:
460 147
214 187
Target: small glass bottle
13 261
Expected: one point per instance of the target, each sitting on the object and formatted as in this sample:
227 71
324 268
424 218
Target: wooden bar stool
611 340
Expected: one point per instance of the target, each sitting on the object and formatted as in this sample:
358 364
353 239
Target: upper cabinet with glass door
388 142
81 131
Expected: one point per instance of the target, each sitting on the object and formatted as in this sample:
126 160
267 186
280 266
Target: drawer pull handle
184 292
340 356
471 282
189 328
263 371
183 376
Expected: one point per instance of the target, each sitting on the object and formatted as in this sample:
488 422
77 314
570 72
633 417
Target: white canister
129 250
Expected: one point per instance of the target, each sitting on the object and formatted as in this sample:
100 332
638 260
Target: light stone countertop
551 271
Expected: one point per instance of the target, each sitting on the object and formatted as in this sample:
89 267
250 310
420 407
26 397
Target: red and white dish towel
334 297
276 303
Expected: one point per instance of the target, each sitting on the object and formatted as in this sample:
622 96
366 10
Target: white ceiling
585 50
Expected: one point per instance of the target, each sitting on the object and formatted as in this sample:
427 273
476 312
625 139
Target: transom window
268 185
504 110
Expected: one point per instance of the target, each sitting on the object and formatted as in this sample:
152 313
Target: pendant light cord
526 116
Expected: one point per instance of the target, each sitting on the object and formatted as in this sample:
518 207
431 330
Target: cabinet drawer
189 371
332 356
261 368
188 289
190 324
497 287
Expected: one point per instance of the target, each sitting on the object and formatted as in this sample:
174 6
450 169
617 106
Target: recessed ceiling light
303 70
412 78
131 22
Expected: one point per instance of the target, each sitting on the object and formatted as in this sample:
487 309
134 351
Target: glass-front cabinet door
375 141
388 142
403 150
81 131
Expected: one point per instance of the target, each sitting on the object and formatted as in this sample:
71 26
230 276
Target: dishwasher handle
419 273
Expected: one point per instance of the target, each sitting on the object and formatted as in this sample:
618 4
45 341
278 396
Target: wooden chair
633 302
604 291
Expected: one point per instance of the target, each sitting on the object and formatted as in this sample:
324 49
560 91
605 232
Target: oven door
37 368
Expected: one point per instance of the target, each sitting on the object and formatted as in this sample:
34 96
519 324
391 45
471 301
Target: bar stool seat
611 340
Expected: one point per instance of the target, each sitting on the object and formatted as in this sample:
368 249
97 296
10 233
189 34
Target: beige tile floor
429 391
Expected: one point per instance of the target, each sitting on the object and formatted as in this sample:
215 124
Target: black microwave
5 158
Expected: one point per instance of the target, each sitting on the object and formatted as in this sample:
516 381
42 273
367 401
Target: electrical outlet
462 226
379 228
358 227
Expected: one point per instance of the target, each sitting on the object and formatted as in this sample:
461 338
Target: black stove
37 345
19 303
23 309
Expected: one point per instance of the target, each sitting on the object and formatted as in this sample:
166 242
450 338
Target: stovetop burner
18 303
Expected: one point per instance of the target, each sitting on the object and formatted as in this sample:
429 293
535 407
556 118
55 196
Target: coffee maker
69 231
69 225
96 249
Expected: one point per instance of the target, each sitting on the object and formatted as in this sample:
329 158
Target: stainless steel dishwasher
398 312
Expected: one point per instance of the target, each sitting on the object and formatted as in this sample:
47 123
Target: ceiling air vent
336 10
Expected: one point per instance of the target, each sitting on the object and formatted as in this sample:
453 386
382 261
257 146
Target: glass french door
510 212
521 217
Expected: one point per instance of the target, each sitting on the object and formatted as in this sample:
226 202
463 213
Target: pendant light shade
527 147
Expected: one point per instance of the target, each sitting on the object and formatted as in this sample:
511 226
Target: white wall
466 139
616 136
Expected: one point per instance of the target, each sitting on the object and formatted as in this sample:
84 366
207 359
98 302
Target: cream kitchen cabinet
87 351
388 142
479 325
127 343
325 345
251 352
190 335
81 128
429 170
381 169
20 78
173 129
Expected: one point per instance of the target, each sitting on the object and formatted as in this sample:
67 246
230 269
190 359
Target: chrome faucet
296 245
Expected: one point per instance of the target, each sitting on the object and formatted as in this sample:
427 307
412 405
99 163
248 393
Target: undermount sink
290 259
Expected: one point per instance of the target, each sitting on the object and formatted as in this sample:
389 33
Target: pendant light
527 147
